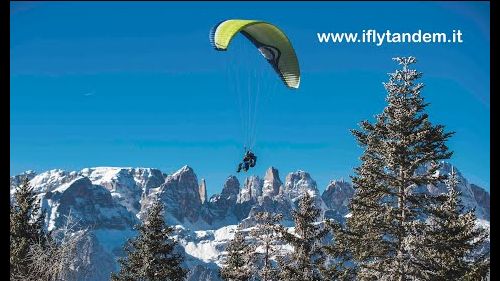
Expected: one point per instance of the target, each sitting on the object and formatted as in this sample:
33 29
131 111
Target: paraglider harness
249 160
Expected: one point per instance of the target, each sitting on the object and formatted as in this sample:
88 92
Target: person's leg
239 168
246 166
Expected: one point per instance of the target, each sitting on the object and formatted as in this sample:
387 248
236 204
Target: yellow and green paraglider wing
270 41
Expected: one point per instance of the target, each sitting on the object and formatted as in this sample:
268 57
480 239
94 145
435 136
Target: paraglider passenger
249 160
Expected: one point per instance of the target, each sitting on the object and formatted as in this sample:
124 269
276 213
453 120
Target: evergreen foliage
239 260
26 230
305 260
265 235
402 152
451 242
151 256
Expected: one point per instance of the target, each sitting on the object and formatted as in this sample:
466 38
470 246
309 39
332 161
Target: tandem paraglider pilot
249 160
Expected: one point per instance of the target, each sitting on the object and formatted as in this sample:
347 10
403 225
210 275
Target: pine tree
304 261
151 255
265 234
451 242
337 263
26 230
386 202
238 262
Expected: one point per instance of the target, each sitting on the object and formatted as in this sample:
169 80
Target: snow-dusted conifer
304 261
238 262
337 263
26 230
385 204
265 235
151 256
451 243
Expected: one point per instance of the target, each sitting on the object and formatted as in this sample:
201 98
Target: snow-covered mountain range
110 201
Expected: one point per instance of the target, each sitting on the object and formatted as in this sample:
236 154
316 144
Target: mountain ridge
111 200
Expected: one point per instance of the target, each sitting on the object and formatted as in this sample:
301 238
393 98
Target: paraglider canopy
270 41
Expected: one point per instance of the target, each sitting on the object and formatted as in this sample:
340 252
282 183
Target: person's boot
239 168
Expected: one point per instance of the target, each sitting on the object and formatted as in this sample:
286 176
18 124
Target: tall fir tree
265 235
386 203
337 263
451 242
305 260
151 256
237 265
26 230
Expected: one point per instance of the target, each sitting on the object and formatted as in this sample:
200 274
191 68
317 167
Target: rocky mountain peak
221 205
483 200
337 195
17 179
447 168
231 187
90 205
272 182
203 191
127 185
185 170
49 180
252 189
181 195
298 182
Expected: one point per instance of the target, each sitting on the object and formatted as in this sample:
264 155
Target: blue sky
138 84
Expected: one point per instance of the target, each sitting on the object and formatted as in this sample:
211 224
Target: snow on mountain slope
16 180
208 245
467 195
52 179
111 200
127 185
91 205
